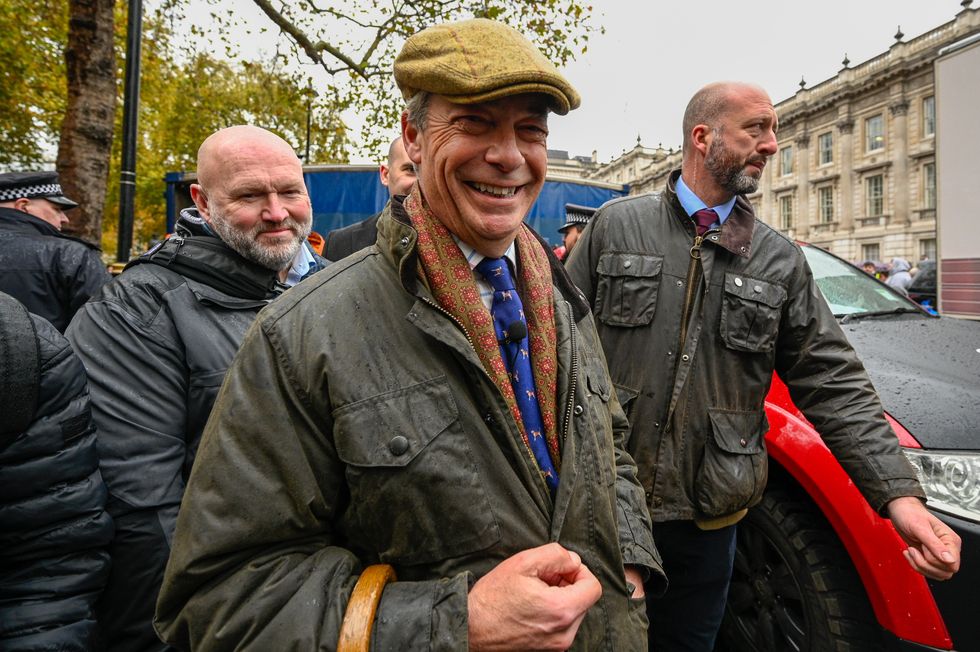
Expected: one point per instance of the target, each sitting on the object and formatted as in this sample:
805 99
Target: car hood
927 372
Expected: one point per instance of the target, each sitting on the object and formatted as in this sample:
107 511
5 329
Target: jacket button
628 263
404 242
738 281
757 289
685 357
658 501
398 445
743 442
578 410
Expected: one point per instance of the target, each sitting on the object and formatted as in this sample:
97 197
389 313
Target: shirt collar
474 257
692 203
301 265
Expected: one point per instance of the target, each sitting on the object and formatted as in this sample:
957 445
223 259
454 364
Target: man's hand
934 549
634 577
534 600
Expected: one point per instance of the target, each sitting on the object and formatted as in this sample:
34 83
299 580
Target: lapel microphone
516 332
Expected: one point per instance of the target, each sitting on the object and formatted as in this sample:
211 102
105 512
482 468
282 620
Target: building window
928 116
874 191
825 145
874 131
825 198
786 160
786 212
929 185
927 249
871 251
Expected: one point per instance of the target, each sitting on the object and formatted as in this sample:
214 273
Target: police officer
50 272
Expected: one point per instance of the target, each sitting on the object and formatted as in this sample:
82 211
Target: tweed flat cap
477 61
33 185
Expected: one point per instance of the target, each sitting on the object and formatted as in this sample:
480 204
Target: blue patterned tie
507 310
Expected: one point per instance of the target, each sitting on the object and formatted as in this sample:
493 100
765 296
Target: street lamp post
131 101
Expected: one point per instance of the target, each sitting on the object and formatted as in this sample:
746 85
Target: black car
806 557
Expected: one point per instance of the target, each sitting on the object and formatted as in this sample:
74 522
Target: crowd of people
447 438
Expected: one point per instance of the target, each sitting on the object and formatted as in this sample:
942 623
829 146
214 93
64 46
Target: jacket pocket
734 469
627 287
750 313
416 494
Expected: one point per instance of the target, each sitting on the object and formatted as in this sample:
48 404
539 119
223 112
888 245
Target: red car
816 568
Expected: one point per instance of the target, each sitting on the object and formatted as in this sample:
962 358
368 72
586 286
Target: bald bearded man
157 341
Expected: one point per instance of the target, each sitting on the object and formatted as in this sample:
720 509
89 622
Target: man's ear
701 138
200 199
22 204
384 175
410 139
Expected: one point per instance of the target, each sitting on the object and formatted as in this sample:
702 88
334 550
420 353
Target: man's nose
275 209
505 152
768 145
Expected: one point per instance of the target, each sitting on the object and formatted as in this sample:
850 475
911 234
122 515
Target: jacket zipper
693 280
573 385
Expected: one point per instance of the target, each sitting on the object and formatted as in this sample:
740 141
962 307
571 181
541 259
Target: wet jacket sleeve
830 385
139 381
258 561
54 530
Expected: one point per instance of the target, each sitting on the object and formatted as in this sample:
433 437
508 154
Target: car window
848 289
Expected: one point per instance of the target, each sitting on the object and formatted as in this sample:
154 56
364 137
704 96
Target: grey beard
275 257
728 172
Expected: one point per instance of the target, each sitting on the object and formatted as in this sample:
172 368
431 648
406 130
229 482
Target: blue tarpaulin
344 195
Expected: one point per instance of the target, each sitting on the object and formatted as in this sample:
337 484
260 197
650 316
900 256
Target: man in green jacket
697 304
408 407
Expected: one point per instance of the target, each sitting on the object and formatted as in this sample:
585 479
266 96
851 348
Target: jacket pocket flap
598 387
392 429
738 431
754 290
612 264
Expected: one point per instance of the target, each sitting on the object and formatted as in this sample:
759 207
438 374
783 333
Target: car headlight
951 480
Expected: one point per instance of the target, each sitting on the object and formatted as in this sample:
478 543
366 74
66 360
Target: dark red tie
704 218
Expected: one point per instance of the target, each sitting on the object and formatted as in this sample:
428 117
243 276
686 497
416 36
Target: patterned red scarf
451 281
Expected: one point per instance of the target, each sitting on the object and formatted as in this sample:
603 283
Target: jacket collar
21 222
398 239
736 231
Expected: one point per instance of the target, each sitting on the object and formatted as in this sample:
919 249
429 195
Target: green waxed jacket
694 388
357 426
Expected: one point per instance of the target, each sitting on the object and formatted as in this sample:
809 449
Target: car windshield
849 290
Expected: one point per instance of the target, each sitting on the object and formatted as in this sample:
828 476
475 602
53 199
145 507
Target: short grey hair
417 109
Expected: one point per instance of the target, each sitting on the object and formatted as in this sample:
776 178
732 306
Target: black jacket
156 342
54 530
51 273
343 242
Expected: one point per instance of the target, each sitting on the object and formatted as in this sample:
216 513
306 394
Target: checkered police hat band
26 192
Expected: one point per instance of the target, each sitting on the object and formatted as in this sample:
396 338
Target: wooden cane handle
355 631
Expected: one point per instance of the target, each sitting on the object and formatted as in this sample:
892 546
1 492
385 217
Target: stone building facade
855 172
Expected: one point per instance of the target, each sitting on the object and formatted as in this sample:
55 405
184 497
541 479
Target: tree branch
314 51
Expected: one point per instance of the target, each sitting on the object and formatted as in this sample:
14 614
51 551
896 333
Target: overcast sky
638 76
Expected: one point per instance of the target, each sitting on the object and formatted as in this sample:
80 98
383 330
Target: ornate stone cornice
845 126
802 141
899 108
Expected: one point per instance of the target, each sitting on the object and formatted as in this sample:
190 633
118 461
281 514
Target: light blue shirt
692 203
301 266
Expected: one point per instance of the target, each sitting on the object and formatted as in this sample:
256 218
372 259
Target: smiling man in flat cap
434 408
48 271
